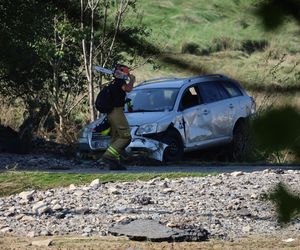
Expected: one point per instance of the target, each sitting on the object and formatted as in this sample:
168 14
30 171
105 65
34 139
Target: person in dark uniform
120 130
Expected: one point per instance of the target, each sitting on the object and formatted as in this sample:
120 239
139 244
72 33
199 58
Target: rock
172 225
27 195
41 243
125 210
244 212
87 230
288 240
267 171
27 218
79 193
31 234
231 207
40 208
247 229
45 233
6 230
113 190
23 202
95 183
167 190
57 207
154 181
72 187
19 216
149 230
82 210
237 173
142 200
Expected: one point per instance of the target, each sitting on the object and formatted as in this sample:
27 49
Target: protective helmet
124 71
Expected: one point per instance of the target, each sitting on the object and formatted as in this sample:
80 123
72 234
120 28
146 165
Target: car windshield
151 100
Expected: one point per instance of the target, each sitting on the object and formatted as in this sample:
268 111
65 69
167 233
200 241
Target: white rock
290 172
72 187
247 229
31 234
23 201
40 207
288 240
237 173
41 243
167 190
54 202
154 181
26 195
79 193
57 207
27 218
45 233
254 196
6 230
95 183
266 171
113 190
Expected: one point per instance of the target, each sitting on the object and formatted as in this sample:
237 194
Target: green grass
175 22
229 39
16 182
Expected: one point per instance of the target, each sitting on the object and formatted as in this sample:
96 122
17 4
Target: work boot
124 155
113 164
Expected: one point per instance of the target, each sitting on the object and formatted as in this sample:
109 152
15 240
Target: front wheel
174 151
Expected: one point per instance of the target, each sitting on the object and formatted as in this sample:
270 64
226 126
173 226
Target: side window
224 94
190 98
211 92
232 89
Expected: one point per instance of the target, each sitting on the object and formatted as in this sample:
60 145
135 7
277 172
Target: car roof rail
209 75
158 79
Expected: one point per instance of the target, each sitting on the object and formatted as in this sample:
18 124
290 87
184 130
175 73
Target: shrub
190 48
251 46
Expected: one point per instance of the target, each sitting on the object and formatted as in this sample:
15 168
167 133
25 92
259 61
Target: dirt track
122 243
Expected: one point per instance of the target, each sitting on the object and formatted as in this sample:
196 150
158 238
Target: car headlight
147 129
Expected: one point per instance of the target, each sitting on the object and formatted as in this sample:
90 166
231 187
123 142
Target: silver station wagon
170 116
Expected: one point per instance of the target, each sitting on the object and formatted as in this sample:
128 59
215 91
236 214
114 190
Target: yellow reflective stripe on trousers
113 152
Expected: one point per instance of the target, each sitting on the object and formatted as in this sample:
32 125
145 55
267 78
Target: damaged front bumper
146 147
139 146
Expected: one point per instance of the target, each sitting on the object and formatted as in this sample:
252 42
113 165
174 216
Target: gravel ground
229 206
60 163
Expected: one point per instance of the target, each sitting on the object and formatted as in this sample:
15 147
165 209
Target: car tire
174 151
240 141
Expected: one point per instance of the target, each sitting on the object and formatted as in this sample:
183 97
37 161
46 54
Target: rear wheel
240 141
174 151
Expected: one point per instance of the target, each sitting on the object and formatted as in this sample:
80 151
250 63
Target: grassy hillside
203 22
220 36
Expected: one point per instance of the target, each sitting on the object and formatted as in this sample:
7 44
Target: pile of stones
226 206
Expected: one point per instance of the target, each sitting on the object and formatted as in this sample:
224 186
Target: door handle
231 106
205 111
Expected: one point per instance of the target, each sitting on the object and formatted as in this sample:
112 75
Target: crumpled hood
140 118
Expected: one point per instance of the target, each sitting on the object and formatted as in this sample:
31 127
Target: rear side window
232 89
190 98
212 92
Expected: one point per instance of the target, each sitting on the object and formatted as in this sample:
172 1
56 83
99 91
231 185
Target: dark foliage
287 203
274 12
278 129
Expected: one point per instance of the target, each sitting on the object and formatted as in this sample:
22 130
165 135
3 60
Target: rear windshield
151 100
